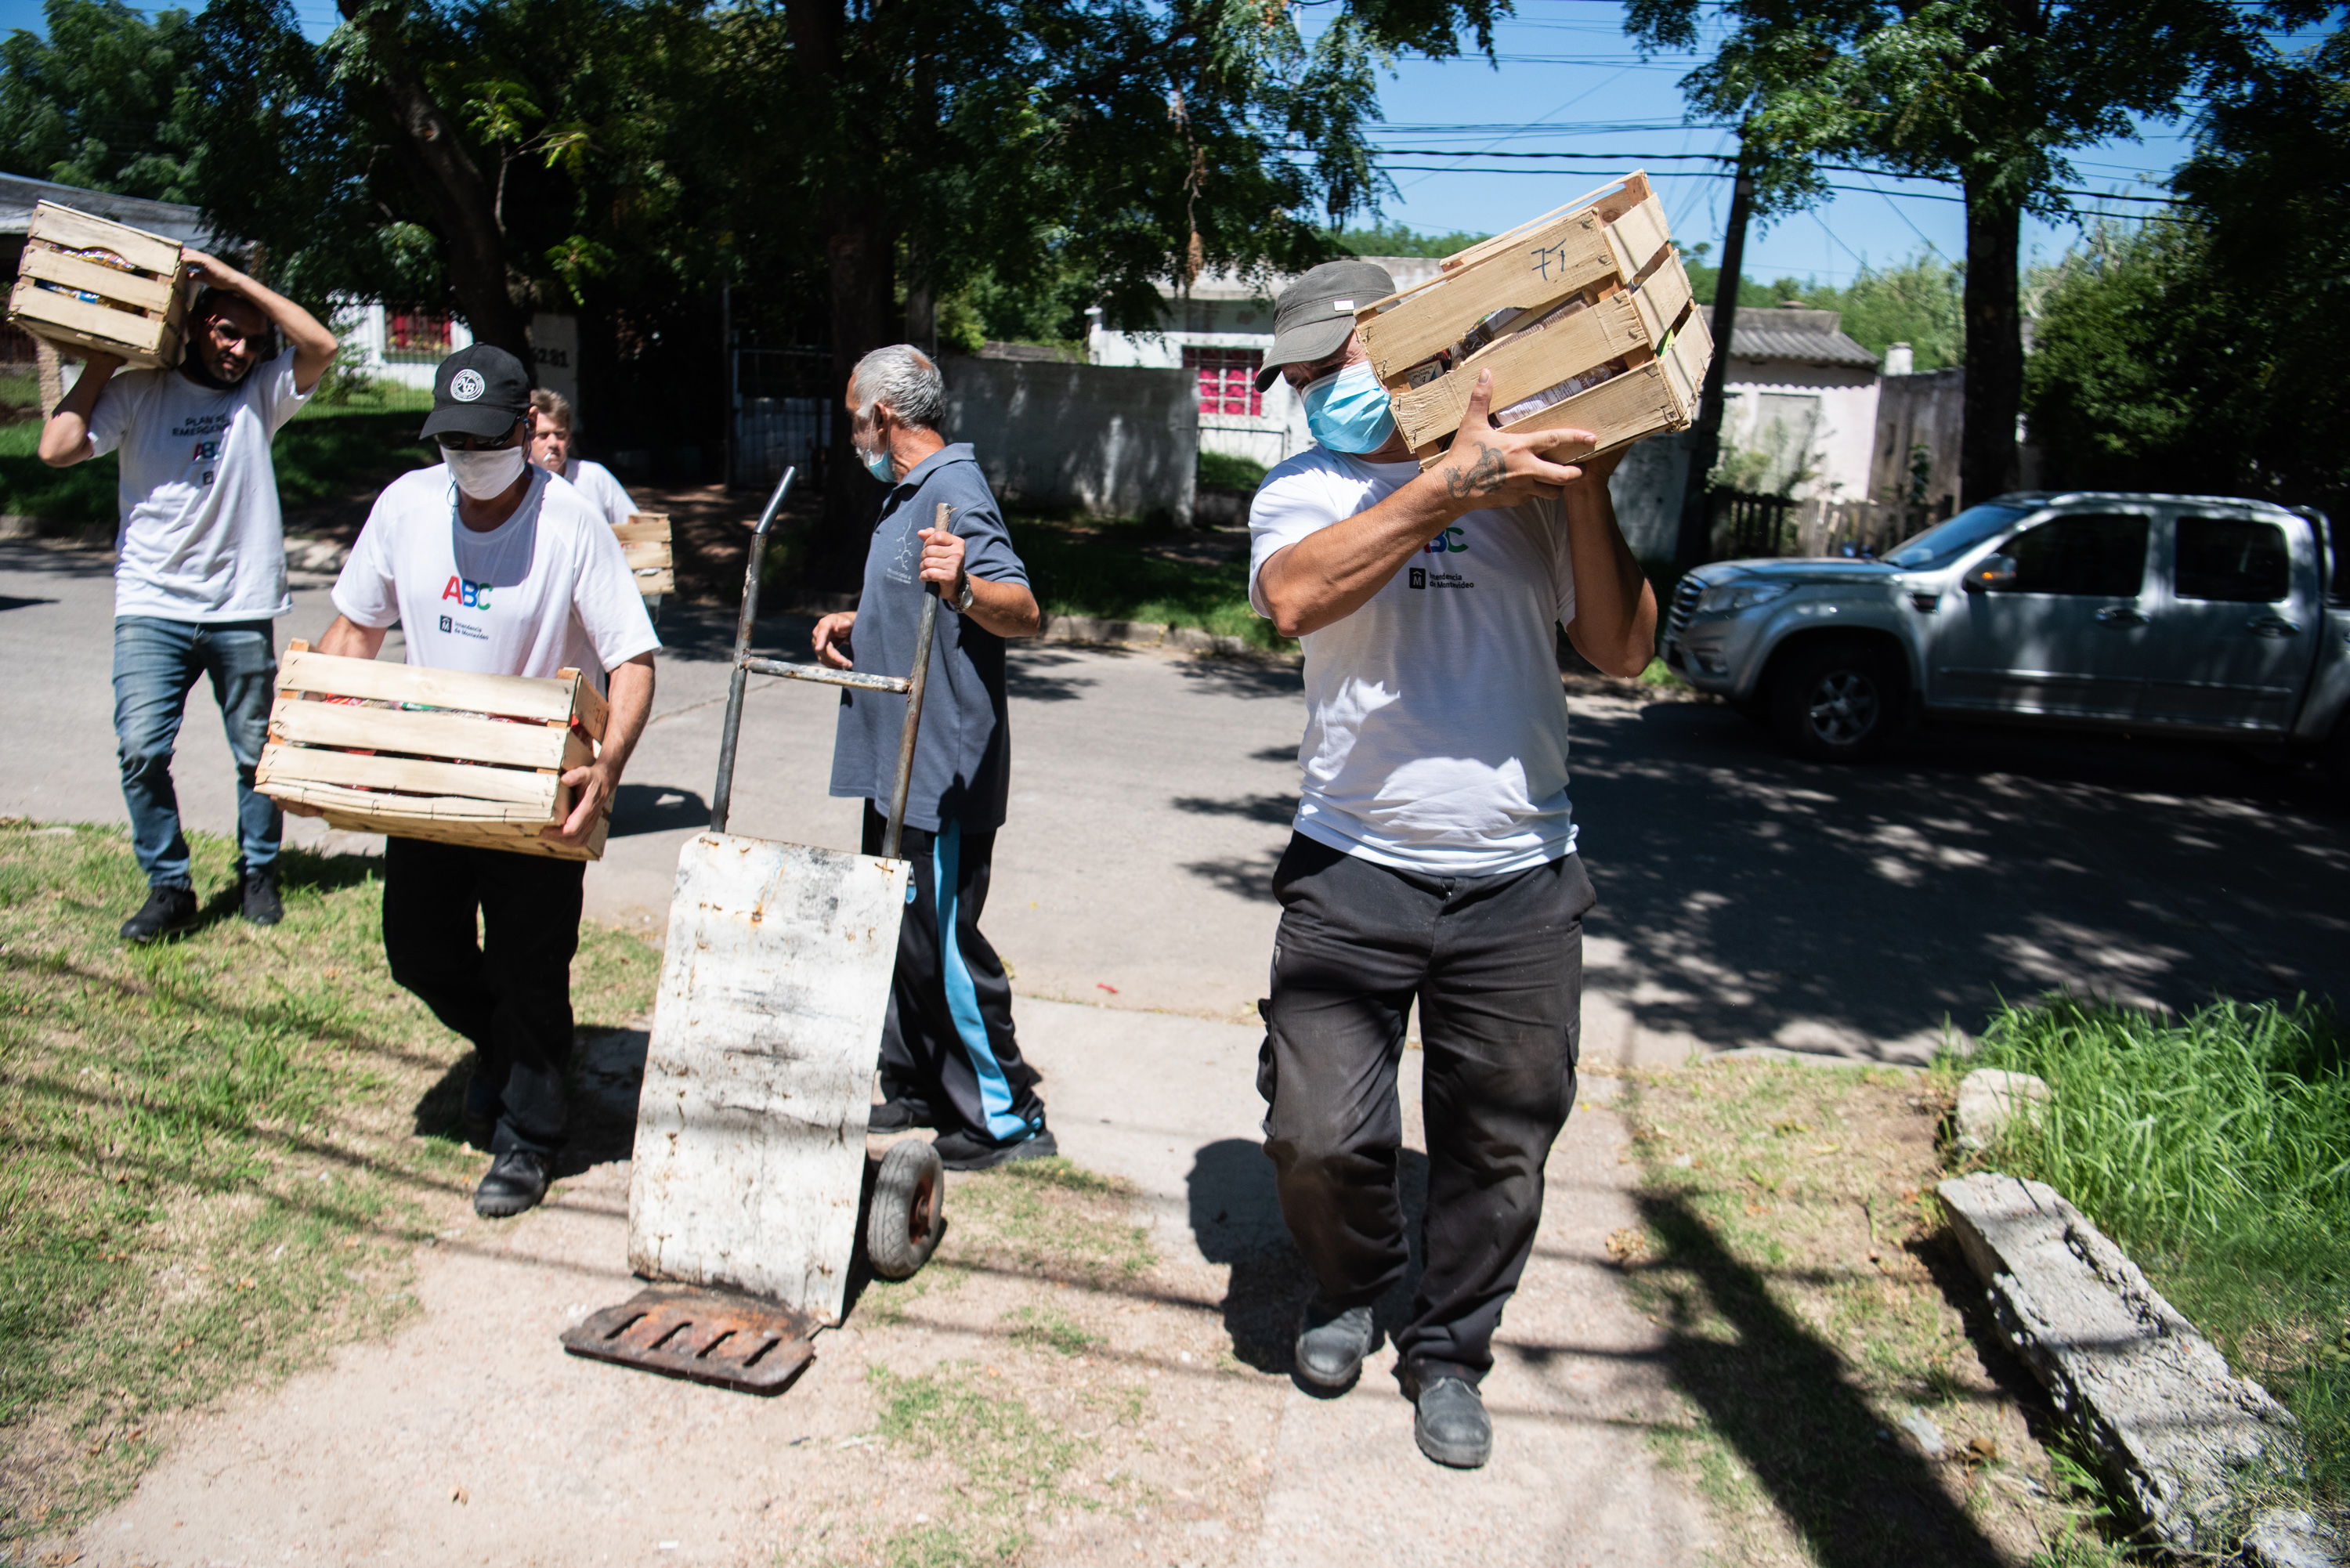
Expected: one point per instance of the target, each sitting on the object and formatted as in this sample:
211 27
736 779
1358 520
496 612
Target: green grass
1010 1462
1223 471
2216 1148
215 1154
1109 570
1042 1328
330 451
1050 1217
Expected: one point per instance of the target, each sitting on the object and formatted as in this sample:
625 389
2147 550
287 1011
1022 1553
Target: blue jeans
156 663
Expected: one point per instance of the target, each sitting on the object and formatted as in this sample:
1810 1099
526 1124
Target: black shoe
1452 1428
166 911
516 1180
900 1116
1331 1342
261 905
961 1150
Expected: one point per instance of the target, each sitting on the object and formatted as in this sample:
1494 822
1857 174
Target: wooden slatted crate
645 537
1584 316
137 310
441 754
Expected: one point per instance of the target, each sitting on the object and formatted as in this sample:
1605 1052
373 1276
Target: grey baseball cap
1313 316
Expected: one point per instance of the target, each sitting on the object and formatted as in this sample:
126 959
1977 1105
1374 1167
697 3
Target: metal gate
784 404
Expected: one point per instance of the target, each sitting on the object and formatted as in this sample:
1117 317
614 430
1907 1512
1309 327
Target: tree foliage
2203 352
102 102
1993 94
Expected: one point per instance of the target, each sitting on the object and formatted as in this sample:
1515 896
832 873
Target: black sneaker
961 1150
1332 1342
168 911
900 1116
1452 1426
261 905
516 1180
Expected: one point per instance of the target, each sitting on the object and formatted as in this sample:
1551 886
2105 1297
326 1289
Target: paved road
1746 900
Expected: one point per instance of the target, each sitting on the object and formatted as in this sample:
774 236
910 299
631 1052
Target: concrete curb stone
2173 1427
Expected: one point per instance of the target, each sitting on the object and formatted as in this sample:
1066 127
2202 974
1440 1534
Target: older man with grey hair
949 1058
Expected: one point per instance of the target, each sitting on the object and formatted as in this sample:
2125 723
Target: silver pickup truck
2190 615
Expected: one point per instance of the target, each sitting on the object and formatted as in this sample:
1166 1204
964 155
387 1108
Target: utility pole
1705 435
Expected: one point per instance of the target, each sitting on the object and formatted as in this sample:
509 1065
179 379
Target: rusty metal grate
710 1337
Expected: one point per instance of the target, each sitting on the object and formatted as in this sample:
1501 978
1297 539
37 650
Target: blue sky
1569 81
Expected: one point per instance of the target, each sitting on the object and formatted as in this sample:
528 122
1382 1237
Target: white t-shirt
201 538
604 492
547 589
1436 724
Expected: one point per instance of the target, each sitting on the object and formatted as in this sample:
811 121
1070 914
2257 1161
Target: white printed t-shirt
604 492
1436 725
547 589
201 539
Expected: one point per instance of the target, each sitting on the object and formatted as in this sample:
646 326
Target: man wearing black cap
1432 859
490 564
200 563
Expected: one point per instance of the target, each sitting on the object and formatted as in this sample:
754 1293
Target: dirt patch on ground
1851 1401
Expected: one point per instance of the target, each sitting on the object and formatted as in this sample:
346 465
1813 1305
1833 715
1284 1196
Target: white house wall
1841 445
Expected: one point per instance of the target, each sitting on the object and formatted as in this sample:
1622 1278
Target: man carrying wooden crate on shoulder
1433 859
489 564
948 1057
200 563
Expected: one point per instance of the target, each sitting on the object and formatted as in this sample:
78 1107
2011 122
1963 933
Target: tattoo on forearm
1481 477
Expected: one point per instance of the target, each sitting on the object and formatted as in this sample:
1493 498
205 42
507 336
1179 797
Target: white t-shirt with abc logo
1435 723
547 589
200 538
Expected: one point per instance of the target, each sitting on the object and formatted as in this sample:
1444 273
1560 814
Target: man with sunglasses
200 562
489 563
1432 860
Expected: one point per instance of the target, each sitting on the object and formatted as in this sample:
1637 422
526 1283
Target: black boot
516 1180
167 911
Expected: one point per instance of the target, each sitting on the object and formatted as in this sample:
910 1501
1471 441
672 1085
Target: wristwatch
962 601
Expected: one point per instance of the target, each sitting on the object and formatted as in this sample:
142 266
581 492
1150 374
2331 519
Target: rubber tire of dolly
1856 669
908 1213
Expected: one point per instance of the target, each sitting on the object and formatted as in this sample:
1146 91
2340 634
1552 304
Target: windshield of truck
1945 541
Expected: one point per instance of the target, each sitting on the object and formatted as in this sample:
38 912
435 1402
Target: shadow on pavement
1235 1218
655 808
1756 899
1774 1391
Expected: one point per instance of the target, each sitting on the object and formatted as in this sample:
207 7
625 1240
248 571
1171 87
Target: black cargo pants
507 990
1497 965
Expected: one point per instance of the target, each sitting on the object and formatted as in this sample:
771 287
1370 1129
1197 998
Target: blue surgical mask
877 463
1348 411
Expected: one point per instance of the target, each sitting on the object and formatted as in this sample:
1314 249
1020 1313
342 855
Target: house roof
1805 336
171 220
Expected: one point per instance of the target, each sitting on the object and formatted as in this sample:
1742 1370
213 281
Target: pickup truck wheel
1834 701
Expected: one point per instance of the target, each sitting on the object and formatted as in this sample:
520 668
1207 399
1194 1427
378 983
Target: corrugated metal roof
1807 337
172 220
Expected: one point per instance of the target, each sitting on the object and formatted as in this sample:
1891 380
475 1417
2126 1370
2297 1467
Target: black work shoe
1332 1342
900 1116
261 905
961 1150
166 911
516 1180
1452 1428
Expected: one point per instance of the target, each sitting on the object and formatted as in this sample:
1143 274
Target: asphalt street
1746 900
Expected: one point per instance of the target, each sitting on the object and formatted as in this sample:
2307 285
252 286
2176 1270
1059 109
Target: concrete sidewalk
471 1437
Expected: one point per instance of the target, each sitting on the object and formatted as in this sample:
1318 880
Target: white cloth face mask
482 474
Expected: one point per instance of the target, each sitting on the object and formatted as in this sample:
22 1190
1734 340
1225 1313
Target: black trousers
948 1043
509 991
1496 964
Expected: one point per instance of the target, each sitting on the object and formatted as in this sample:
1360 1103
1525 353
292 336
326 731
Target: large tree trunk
433 158
1995 314
1695 540
860 255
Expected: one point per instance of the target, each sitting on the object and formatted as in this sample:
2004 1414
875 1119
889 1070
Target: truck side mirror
1991 572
